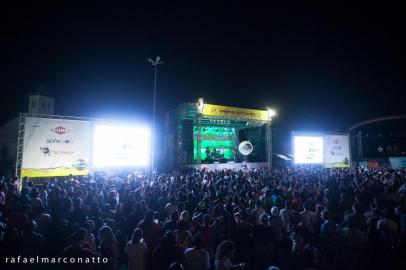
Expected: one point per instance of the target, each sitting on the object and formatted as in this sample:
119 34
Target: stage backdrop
336 151
56 147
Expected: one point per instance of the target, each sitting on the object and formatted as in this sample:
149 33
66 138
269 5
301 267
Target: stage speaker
187 139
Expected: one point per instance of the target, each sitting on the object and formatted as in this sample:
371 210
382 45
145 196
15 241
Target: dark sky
321 68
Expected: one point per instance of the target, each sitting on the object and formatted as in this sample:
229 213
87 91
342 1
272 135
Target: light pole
271 113
155 64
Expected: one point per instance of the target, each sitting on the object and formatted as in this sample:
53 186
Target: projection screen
121 145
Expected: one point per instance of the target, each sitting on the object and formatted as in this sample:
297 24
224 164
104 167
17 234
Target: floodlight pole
270 146
155 64
271 113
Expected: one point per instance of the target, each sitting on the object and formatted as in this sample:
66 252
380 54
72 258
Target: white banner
56 147
336 151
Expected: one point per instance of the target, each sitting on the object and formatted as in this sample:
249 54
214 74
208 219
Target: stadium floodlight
271 113
155 64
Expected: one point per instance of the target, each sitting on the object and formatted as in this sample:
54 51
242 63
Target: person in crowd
166 252
35 201
31 244
224 254
171 206
176 266
243 238
308 217
387 230
258 212
207 228
276 225
196 258
151 229
354 245
136 250
296 202
78 249
172 223
285 215
108 247
9 242
183 235
266 200
328 236
359 220
263 243
311 257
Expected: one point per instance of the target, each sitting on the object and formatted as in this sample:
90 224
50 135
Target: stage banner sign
336 151
397 162
56 147
233 112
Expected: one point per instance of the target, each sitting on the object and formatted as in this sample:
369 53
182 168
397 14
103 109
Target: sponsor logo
80 164
127 147
245 148
63 152
45 150
61 141
60 130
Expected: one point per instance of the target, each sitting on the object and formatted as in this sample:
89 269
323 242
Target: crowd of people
229 219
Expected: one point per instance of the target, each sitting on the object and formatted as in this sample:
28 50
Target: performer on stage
214 152
207 152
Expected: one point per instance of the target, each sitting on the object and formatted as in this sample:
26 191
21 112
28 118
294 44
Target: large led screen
118 146
307 149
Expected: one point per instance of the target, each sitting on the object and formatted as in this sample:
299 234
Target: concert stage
205 135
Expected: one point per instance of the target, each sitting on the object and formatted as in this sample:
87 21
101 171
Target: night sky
322 69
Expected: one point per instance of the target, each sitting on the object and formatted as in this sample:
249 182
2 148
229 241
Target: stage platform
231 166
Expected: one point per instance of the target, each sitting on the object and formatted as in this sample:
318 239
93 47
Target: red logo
60 130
